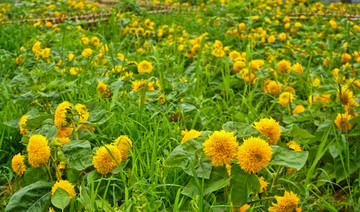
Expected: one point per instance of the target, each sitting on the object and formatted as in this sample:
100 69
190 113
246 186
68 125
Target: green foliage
31 198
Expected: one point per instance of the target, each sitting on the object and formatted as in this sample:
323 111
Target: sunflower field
174 105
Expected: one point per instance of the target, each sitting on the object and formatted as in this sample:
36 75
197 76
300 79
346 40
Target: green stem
275 178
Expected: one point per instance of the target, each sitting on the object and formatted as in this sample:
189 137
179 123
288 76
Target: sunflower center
258 157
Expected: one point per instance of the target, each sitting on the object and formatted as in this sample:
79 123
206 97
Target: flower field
179 106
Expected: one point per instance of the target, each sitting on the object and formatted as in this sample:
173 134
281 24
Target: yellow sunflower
189 135
341 121
254 154
284 66
38 150
263 185
286 98
140 84
270 128
294 146
287 203
298 109
103 162
17 164
221 147
82 111
103 90
62 114
123 143
145 67
66 185
23 122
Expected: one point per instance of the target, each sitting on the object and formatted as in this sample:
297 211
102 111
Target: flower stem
275 178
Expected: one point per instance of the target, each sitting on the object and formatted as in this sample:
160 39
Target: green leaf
288 158
60 198
12 123
100 117
33 175
294 131
300 117
78 154
202 167
180 156
242 185
32 198
218 179
240 129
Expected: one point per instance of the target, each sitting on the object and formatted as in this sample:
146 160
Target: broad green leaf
12 123
60 198
180 156
242 185
240 129
99 117
218 179
78 153
33 175
300 117
288 158
294 131
32 198
202 167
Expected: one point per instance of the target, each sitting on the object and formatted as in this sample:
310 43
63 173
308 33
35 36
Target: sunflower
145 67
38 150
287 203
341 121
103 162
103 90
17 164
63 132
62 114
189 135
345 96
23 122
263 185
254 154
298 109
66 185
284 66
123 143
235 56
87 52
140 84
294 146
270 128
221 147
297 67
82 111
272 87
238 66
286 98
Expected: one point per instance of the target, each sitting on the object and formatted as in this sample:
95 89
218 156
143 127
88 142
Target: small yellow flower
294 146
287 203
221 147
23 122
341 121
145 67
263 185
298 109
284 66
123 143
17 164
254 154
103 161
286 98
189 135
270 128
63 114
66 185
87 52
103 90
38 150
